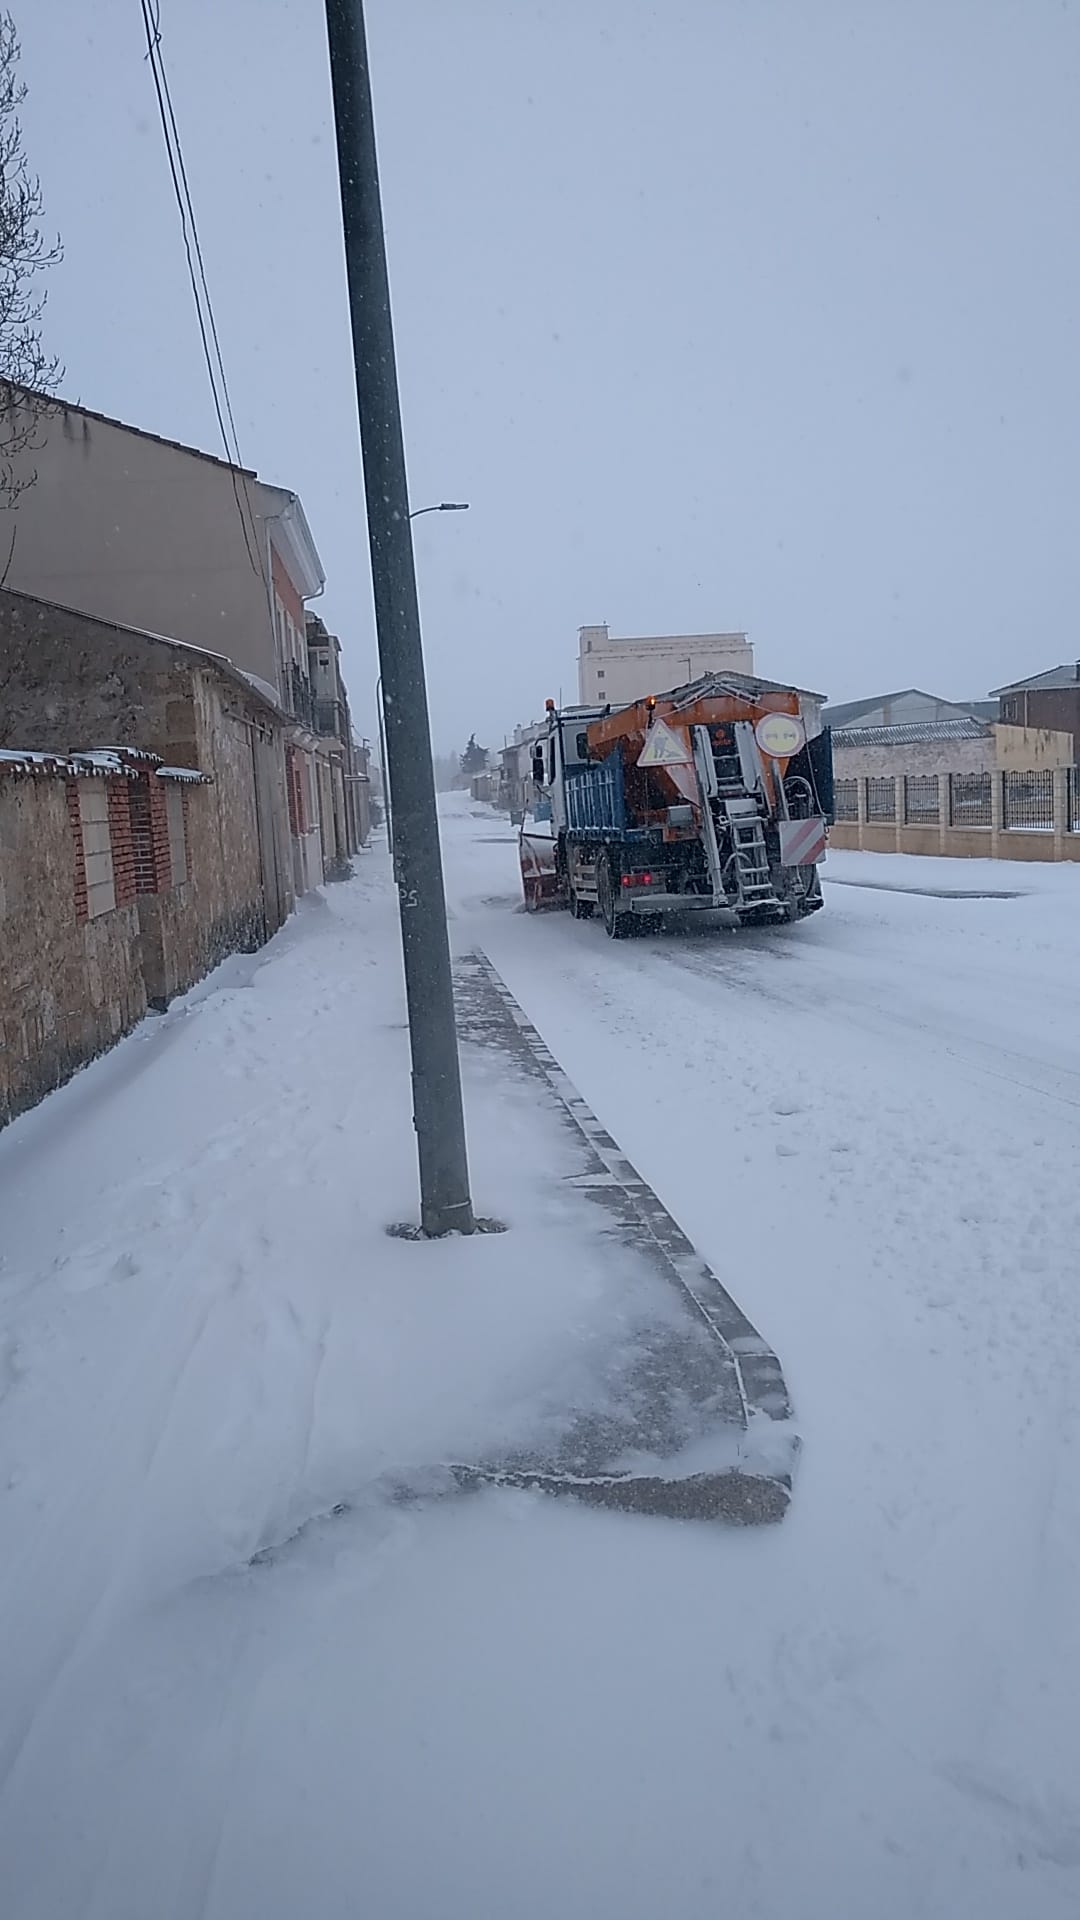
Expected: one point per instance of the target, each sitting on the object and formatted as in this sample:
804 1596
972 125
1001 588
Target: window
846 799
970 800
599 673
174 813
921 806
881 800
97 848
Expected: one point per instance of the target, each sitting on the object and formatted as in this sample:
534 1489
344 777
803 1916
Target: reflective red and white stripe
802 842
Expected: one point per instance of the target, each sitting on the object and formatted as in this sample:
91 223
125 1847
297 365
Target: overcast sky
757 314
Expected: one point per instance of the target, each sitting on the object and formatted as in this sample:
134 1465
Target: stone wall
69 683
69 987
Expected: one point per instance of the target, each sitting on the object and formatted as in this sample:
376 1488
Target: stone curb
610 1177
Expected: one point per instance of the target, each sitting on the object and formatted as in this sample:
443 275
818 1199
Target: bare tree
28 373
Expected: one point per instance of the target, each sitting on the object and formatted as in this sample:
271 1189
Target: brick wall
123 853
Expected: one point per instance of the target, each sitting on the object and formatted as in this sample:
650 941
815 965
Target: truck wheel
581 909
616 925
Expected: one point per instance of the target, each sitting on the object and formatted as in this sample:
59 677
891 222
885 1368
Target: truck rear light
639 879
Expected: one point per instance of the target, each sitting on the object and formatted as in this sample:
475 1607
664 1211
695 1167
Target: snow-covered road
508 1707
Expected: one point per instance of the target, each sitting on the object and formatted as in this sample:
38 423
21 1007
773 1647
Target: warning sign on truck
664 747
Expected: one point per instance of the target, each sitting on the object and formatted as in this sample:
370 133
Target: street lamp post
445 1202
444 506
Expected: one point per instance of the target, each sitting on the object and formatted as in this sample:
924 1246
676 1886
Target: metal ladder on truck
751 854
723 784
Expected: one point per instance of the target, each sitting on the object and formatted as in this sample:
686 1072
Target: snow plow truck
714 797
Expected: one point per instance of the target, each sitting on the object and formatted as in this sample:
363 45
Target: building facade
963 787
343 758
517 789
1049 700
67 678
143 832
156 536
613 669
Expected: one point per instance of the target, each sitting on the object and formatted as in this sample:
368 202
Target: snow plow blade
539 879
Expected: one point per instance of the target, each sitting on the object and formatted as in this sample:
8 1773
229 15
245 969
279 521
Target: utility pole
445 1205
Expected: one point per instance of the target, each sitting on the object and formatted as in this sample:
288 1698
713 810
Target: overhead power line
204 306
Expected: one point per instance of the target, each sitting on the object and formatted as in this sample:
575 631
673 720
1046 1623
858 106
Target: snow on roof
261 686
116 762
737 683
131 753
1053 677
27 759
911 733
103 760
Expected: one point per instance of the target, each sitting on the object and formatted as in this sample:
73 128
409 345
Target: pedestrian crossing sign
664 747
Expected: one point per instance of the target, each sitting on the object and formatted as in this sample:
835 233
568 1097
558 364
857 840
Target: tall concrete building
615 669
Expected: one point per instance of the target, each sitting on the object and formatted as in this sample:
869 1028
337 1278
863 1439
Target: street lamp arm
444 506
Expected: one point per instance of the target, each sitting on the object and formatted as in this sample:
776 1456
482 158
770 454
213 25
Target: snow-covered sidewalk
509 1707
209 1342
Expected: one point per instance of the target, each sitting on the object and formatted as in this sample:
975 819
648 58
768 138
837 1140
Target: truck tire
617 925
581 909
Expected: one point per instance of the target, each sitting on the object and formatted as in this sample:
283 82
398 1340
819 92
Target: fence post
1061 810
944 813
996 795
899 808
860 812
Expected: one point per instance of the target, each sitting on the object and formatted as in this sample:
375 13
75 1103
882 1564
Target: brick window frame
152 845
101 830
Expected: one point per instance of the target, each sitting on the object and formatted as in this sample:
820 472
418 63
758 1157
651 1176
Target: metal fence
1072 810
921 804
1027 801
846 800
971 800
881 800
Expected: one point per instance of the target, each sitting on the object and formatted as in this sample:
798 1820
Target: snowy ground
506 1708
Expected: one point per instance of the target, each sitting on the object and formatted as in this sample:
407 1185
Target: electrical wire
204 310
